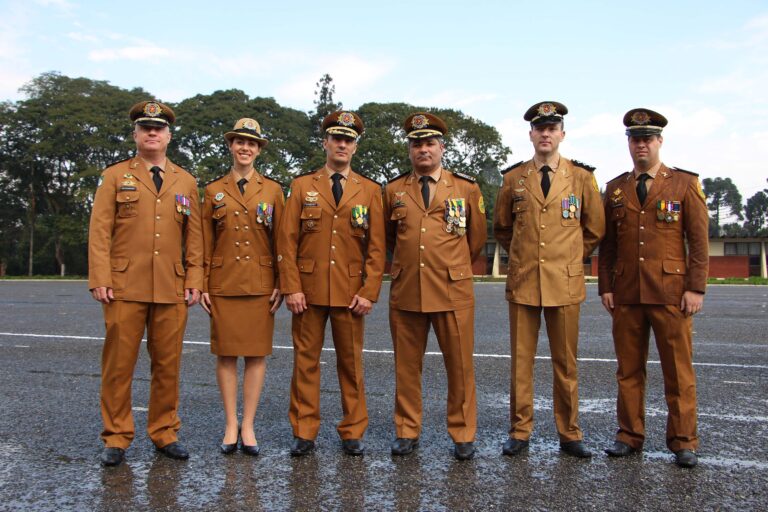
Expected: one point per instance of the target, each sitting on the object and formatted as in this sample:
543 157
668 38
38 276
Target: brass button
237 213
642 227
421 265
642 212
642 259
541 260
247 242
157 217
157 235
247 258
334 231
158 200
245 212
245 228
544 210
423 230
157 252
237 228
421 247
237 258
543 226
677 270
642 243
542 244
335 216
333 247
333 262
237 244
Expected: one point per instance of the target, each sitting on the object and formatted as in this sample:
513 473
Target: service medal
219 196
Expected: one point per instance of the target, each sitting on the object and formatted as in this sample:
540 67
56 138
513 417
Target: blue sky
703 65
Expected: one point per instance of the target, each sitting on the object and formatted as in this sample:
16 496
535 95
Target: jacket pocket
127 204
576 285
306 270
119 274
673 278
267 269
180 274
398 217
214 277
310 219
460 283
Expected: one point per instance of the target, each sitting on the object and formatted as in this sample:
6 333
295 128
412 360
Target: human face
426 154
338 151
546 139
645 150
151 140
244 151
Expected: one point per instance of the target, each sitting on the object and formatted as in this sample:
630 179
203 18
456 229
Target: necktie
642 190
336 188
425 190
241 185
545 183
157 177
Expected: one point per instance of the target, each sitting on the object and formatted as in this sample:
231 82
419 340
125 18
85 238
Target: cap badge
547 109
419 121
152 109
346 119
641 117
249 124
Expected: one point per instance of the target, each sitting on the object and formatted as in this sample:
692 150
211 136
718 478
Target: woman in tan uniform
241 211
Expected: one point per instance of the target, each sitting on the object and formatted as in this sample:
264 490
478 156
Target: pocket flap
460 272
313 212
179 269
575 269
265 260
674 267
306 265
395 272
521 206
127 197
119 264
619 270
217 261
618 213
355 269
399 213
219 212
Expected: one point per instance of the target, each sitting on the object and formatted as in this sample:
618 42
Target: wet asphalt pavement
50 423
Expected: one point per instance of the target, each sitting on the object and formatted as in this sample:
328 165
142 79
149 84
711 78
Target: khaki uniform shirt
136 234
548 239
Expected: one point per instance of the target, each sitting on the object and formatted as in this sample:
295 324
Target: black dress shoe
464 451
112 456
175 450
404 446
228 449
620 449
576 449
301 447
686 458
253 450
514 446
352 446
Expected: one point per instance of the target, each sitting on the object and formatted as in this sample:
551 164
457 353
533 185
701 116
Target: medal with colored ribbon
571 207
455 216
360 216
183 204
264 214
668 211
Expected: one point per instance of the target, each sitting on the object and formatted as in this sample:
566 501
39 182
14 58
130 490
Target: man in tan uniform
549 218
647 280
435 229
144 213
331 253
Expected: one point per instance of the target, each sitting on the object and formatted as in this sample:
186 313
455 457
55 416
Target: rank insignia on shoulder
465 176
513 166
583 165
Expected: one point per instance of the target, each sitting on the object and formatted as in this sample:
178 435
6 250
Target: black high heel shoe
253 451
228 449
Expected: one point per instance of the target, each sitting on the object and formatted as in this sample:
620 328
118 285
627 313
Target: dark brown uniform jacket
643 258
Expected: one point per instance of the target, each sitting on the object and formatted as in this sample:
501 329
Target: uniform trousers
563 333
674 341
455 335
308 331
125 323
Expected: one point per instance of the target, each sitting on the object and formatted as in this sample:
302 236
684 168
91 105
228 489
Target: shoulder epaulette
683 170
622 175
369 179
465 177
399 176
272 179
583 165
518 164
216 179
119 162
306 173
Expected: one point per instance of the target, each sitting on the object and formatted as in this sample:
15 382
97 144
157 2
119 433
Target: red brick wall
719 266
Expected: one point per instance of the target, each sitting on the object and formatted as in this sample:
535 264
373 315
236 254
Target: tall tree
722 194
325 103
756 213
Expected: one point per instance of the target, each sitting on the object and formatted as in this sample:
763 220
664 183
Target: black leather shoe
228 449
175 450
686 458
301 447
404 446
352 446
514 446
112 456
620 449
253 450
576 449
464 451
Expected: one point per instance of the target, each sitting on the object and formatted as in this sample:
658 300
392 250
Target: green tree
325 103
722 194
756 213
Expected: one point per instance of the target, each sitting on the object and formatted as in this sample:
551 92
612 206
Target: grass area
738 280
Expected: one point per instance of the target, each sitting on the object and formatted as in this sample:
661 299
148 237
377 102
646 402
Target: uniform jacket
643 257
239 234
323 251
136 234
546 244
432 268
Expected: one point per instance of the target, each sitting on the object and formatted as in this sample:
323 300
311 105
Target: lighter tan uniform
322 254
135 246
432 285
240 266
645 264
546 271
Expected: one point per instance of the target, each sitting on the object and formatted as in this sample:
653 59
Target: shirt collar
651 172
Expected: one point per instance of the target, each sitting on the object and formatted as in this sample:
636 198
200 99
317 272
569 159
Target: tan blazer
432 268
547 249
320 252
643 259
240 234
136 235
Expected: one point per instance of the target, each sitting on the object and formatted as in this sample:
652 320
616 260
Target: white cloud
82 38
59 4
129 53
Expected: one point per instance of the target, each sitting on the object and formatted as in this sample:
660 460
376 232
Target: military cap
545 112
247 128
642 121
422 125
343 122
152 113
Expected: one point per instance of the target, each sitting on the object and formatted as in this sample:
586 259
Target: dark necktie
642 190
157 177
336 188
545 183
241 185
425 190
